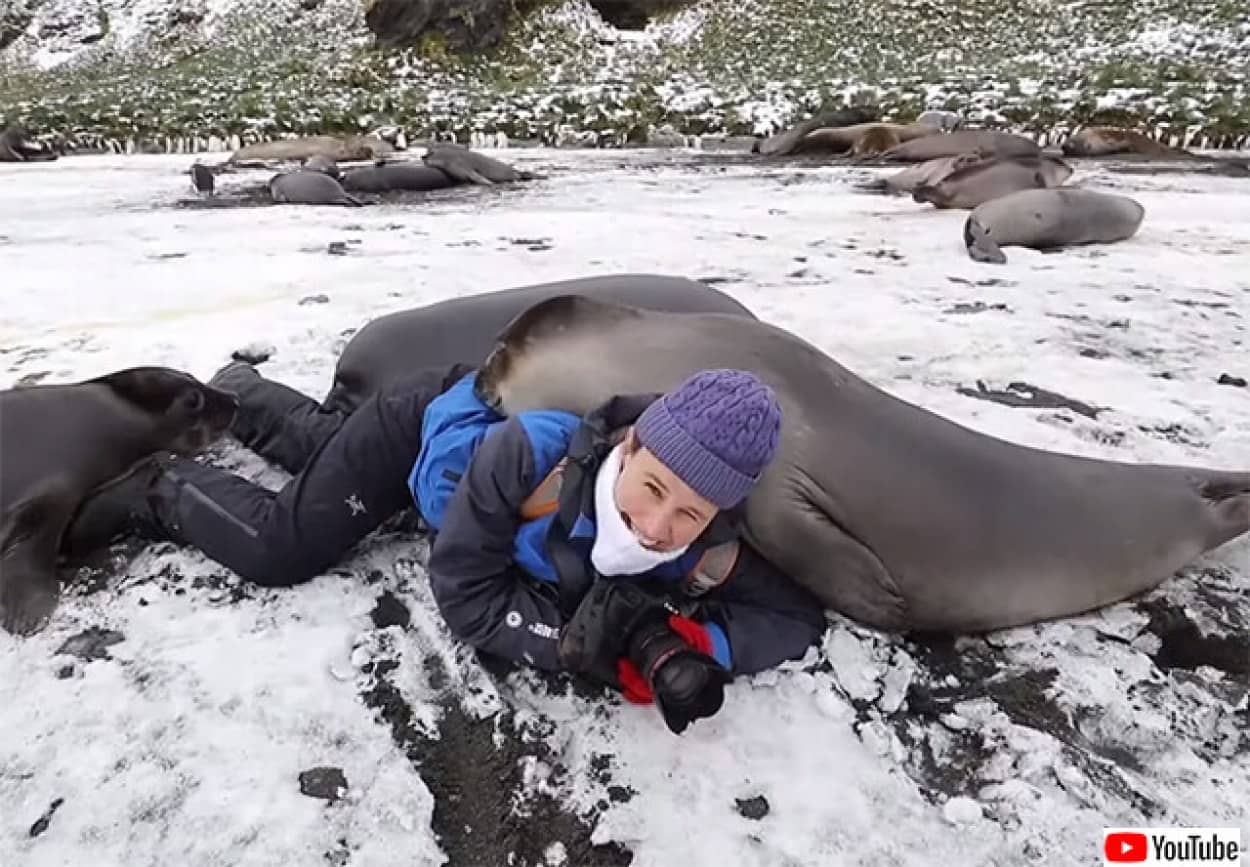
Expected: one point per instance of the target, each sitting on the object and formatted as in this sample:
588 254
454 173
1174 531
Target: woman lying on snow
606 545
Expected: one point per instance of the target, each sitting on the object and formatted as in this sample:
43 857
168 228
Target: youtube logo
1125 847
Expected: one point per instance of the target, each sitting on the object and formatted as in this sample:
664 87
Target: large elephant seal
340 149
860 138
989 179
1049 219
387 177
16 146
986 142
926 173
463 164
307 187
889 513
786 142
462 330
62 443
1101 141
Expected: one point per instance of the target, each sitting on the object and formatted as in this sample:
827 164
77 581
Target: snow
187 743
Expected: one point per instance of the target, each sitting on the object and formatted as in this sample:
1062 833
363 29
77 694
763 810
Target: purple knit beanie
717 431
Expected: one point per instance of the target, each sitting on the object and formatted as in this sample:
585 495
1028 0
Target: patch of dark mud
1183 645
1223 167
92 643
752 808
947 675
41 824
1174 433
389 611
252 196
481 813
1229 379
988 281
328 784
1022 394
314 299
976 307
30 379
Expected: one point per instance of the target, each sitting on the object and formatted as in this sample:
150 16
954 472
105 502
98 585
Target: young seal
386 177
463 329
990 143
1049 219
457 161
1101 141
64 442
889 513
786 142
993 178
304 187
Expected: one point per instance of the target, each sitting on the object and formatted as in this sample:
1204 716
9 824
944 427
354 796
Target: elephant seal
878 139
386 177
1049 219
842 139
16 146
463 164
912 177
889 513
989 179
64 442
325 165
463 329
786 142
946 121
340 149
303 187
990 143
1101 141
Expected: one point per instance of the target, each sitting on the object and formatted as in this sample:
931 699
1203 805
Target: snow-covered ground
184 741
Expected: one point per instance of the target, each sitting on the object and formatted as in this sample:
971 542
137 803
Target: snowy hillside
172 715
149 69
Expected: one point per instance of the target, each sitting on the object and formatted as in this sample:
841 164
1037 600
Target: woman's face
663 512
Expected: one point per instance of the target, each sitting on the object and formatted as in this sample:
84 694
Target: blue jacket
506 576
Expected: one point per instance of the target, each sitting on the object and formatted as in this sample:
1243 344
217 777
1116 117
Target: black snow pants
350 475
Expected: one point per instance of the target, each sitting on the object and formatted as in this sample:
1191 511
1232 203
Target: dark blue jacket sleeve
766 616
485 600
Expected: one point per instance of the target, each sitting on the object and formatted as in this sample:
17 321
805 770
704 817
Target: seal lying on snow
340 149
458 162
786 142
386 177
993 178
17 147
309 187
1100 141
64 442
988 143
928 172
1048 219
889 513
463 329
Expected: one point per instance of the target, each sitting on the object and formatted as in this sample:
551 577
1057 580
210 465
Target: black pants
350 471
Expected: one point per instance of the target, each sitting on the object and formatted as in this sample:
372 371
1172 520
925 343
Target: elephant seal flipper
981 247
28 547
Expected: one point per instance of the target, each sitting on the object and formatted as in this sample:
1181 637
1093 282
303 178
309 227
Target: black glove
688 685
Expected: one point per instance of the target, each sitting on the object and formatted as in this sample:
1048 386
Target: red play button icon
1125 846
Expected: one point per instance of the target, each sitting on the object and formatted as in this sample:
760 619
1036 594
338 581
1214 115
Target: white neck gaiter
617 550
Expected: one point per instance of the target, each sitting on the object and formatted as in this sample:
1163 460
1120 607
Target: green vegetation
721 67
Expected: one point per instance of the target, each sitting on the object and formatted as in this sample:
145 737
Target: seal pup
785 142
341 149
889 513
927 172
303 187
16 146
64 442
986 142
993 178
462 330
385 177
325 165
463 164
1047 220
1101 141
945 121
